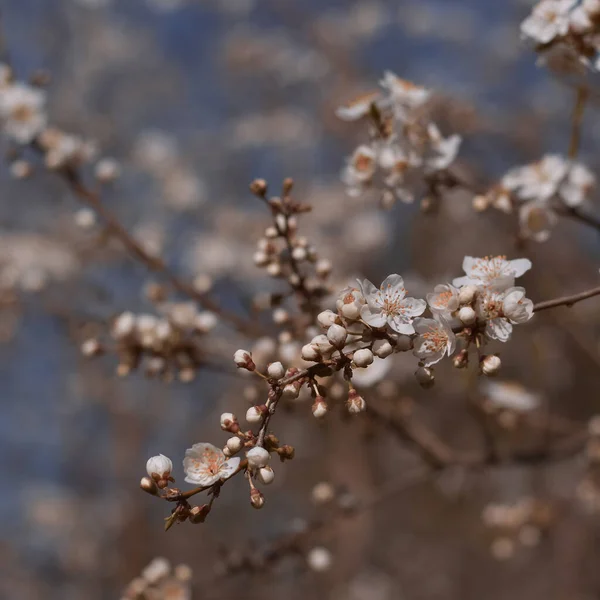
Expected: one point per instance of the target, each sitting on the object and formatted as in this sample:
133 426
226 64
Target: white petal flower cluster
540 191
571 25
405 146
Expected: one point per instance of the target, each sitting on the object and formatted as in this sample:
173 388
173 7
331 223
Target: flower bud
234 444
461 360
281 316
286 452
256 498
274 269
265 475
259 187
91 348
205 321
243 360
355 404
319 559
123 326
198 514
467 293
276 371
291 390
159 468
299 254
382 348
310 353
363 357
337 335
254 414
148 485
323 268
319 408
257 457
490 364
425 377
467 315
227 420
327 318
404 343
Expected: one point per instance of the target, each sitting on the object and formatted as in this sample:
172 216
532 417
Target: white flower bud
480 203
319 559
159 467
425 377
323 492
319 408
467 315
311 353
280 316
404 343
276 370
254 415
243 359
382 348
271 233
256 498
234 444
265 475
467 293
227 419
260 258
107 170
363 357
282 223
291 391
490 365
91 347
326 318
337 335
299 254
356 404
323 344
274 269
257 457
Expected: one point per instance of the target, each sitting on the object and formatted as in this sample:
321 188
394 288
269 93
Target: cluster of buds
588 490
288 256
569 28
519 524
406 156
539 193
165 346
160 581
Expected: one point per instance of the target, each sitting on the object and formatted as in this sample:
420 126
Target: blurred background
195 98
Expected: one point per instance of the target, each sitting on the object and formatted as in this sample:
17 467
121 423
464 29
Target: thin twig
577 120
153 263
566 300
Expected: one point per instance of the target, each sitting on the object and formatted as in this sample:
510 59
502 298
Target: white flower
22 110
548 20
257 457
357 108
441 151
516 307
502 310
205 464
389 305
493 272
539 180
536 220
361 166
160 466
405 95
577 185
444 300
435 340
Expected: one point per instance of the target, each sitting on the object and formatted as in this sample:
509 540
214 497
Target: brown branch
566 300
153 263
577 120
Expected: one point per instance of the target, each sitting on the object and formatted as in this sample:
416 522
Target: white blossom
258 457
500 310
389 305
205 464
348 304
494 272
549 19
444 300
22 111
516 307
357 108
434 340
